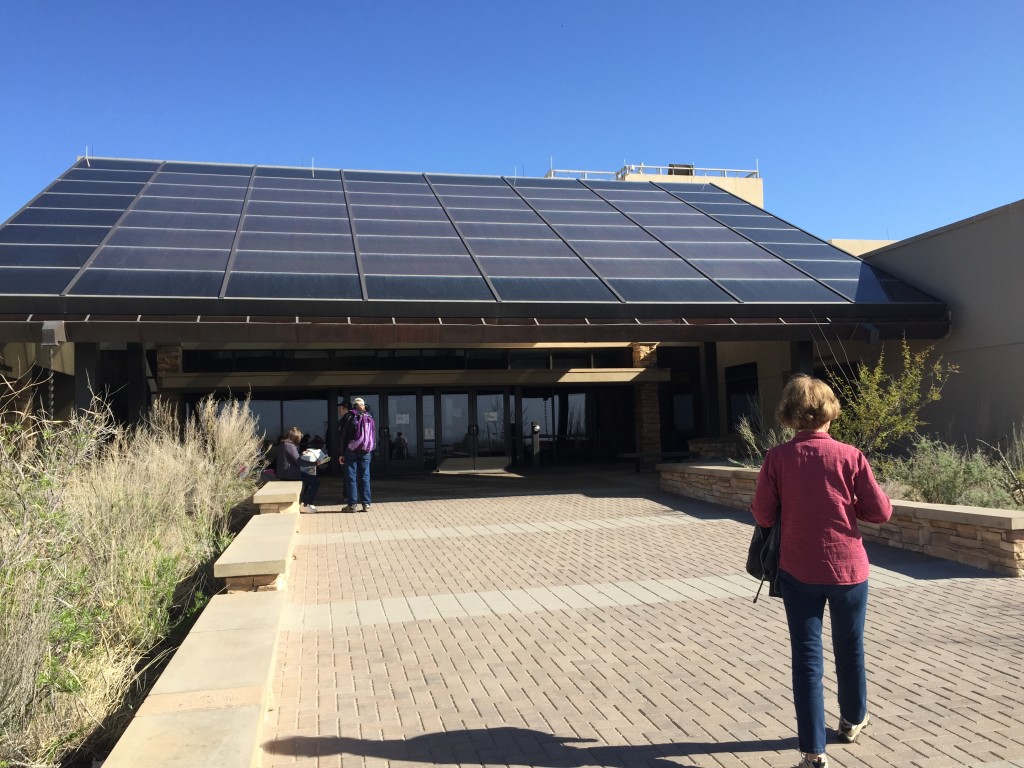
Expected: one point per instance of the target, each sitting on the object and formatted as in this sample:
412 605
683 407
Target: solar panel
389 264
206 168
490 230
171 238
94 174
129 257
43 255
522 216
268 285
54 200
84 216
148 282
410 245
462 180
37 233
524 266
29 281
188 205
644 268
773 269
209 179
561 289
650 249
777 235
781 291
178 220
432 288
512 247
643 291
181 229
294 261
295 224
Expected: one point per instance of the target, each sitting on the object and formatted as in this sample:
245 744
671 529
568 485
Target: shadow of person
513 746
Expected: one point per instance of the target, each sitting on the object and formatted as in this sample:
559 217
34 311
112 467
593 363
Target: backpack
366 434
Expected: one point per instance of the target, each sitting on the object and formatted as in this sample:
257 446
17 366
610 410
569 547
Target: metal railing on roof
654 170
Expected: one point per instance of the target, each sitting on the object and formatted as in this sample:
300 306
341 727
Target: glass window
308 414
492 359
267 413
529 358
741 393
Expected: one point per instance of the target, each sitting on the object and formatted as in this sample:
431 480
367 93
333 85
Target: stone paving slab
601 622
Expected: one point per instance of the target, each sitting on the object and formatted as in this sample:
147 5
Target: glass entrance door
401 433
473 427
491 444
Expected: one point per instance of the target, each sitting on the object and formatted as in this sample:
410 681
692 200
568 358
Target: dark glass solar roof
133 236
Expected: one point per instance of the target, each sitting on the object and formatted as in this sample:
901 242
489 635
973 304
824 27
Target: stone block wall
647 413
992 539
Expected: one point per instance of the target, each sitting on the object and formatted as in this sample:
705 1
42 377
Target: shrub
879 409
939 473
1010 461
105 535
758 437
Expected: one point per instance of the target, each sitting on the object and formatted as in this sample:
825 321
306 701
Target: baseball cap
345 404
358 401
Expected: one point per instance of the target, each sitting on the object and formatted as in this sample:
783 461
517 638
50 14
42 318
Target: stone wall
992 539
647 413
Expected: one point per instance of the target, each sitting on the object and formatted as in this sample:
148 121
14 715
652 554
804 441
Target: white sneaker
812 760
849 732
307 509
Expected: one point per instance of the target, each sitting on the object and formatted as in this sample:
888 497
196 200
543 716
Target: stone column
647 414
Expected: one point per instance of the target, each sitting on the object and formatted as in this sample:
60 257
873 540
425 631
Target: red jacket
822 488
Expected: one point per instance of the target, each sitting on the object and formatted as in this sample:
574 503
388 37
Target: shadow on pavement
514 746
610 480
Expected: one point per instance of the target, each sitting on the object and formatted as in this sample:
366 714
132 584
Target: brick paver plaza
590 619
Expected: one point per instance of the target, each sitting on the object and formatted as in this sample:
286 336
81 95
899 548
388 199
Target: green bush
879 408
939 473
105 538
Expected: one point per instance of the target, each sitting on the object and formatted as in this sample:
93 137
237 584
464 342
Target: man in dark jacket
346 432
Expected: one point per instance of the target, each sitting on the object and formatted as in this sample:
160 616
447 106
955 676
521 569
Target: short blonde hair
295 435
807 403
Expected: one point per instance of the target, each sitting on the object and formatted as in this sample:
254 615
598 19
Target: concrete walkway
589 619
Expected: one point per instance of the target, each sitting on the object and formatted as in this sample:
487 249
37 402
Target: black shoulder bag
763 557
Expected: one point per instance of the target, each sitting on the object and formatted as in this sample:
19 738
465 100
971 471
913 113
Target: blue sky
868 119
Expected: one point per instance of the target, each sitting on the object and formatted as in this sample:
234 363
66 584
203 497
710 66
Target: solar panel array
298 240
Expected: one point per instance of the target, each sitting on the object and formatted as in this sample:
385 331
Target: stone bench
278 496
206 709
258 557
992 539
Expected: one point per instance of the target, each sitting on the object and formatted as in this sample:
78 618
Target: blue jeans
805 606
310 485
357 477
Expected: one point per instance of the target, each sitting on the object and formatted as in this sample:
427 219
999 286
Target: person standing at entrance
820 488
359 440
346 432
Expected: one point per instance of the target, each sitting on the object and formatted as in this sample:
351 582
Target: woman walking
821 488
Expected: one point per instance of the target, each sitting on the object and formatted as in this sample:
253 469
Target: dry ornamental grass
106 535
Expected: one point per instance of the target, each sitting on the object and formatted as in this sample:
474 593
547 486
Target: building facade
488 321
